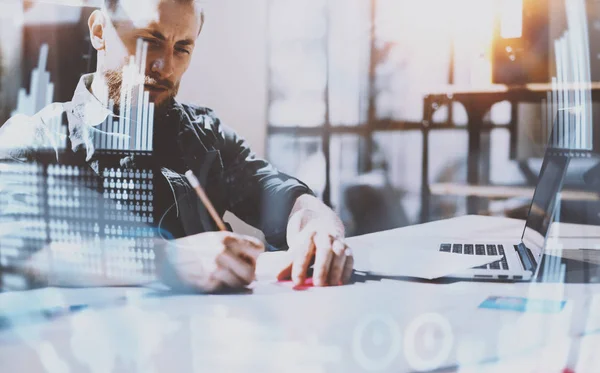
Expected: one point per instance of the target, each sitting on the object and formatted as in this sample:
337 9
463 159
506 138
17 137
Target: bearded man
188 137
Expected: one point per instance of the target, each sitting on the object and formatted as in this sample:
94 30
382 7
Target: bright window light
511 25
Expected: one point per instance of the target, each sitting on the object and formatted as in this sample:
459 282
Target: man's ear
97 26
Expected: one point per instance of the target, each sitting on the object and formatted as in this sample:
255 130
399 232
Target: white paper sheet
389 260
426 264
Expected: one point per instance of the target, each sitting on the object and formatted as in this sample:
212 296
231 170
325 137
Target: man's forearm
307 209
46 268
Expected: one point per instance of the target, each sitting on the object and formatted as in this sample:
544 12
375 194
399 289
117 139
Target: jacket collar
84 112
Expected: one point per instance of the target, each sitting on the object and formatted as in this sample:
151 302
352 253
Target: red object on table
308 283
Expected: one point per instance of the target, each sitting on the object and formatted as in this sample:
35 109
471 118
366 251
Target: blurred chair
583 175
374 204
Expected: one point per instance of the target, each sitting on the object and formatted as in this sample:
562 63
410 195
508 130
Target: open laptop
521 260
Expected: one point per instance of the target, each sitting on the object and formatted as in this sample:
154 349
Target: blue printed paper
523 304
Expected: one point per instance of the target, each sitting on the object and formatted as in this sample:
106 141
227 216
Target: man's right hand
209 262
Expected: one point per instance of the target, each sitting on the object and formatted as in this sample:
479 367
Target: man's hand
319 241
210 262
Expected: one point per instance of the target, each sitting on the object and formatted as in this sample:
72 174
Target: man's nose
162 66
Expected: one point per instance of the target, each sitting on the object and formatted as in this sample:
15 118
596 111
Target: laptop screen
543 204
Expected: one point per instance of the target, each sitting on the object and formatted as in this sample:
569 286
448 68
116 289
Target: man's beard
114 82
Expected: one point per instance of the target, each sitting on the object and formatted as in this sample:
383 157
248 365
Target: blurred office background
334 92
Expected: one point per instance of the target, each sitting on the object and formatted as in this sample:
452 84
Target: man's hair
112 6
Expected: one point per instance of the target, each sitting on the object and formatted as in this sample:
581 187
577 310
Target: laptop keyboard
469 249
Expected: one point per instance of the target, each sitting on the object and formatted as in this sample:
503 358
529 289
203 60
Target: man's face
169 27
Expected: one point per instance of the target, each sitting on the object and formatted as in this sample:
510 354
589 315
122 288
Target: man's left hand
319 242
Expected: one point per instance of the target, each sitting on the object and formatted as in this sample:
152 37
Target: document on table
413 257
426 264
389 259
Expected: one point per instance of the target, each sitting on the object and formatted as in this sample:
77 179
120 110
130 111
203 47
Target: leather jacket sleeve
257 192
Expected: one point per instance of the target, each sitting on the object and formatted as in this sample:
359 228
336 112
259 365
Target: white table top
375 324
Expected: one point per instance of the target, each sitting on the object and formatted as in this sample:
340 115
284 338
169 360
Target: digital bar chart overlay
41 94
568 107
133 129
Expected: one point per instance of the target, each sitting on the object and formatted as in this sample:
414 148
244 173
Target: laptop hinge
527 259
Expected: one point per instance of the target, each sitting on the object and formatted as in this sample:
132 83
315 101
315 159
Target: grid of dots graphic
105 221
94 226
73 206
21 211
127 219
133 192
